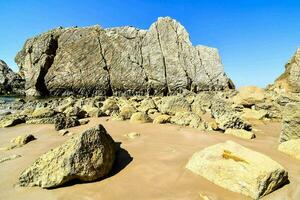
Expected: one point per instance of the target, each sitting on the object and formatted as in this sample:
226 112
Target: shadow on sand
123 158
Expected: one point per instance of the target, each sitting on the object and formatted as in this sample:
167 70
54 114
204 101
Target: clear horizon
255 38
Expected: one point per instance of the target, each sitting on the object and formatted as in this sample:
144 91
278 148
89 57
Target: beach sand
151 166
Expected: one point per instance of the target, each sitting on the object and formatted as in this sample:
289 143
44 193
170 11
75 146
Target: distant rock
290 122
240 133
238 169
86 157
11 120
61 121
140 117
162 119
226 117
187 119
289 80
249 95
173 104
119 61
10 82
291 147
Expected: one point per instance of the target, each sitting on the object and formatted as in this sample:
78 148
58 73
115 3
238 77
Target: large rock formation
10 82
238 169
289 81
125 60
86 157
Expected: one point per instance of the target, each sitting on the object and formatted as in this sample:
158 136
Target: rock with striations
290 122
289 80
238 169
123 60
10 82
86 157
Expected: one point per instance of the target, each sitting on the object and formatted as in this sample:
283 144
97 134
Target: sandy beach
151 166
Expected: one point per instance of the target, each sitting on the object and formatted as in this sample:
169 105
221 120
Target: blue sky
255 37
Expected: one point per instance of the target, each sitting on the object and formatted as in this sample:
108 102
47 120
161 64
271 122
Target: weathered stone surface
202 102
226 117
187 119
122 60
291 147
23 139
10 82
127 111
162 119
238 169
249 95
11 120
240 133
173 104
110 105
289 80
61 121
87 156
140 117
254 114
290 122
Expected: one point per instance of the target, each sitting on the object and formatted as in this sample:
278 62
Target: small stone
132 135
23 139
83 121
63 132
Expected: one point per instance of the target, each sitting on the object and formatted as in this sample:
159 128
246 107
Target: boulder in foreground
86 157
291 147
238 169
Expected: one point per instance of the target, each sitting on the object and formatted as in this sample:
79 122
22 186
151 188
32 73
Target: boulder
291 147
86 157
119 61
290 122
11 120
140 117
173 104
254 114
146 105
226 117
202 102
187 119
61 121
249 95
162 119
238 169
23 139
240 133
10 82
127 111
110 105
93 111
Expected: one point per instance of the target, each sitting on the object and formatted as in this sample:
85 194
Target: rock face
238 169
290 122
289 80
86 157
10 82
122 60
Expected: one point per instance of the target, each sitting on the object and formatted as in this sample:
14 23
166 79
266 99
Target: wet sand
148 167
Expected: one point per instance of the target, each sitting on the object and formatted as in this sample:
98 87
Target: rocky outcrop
290 122
86 157
10 82
289 80
238 169
115 61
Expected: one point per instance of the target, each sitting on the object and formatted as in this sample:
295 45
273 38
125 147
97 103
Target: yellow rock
240 133
238 169
140 117
162 119
291 147
253 114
